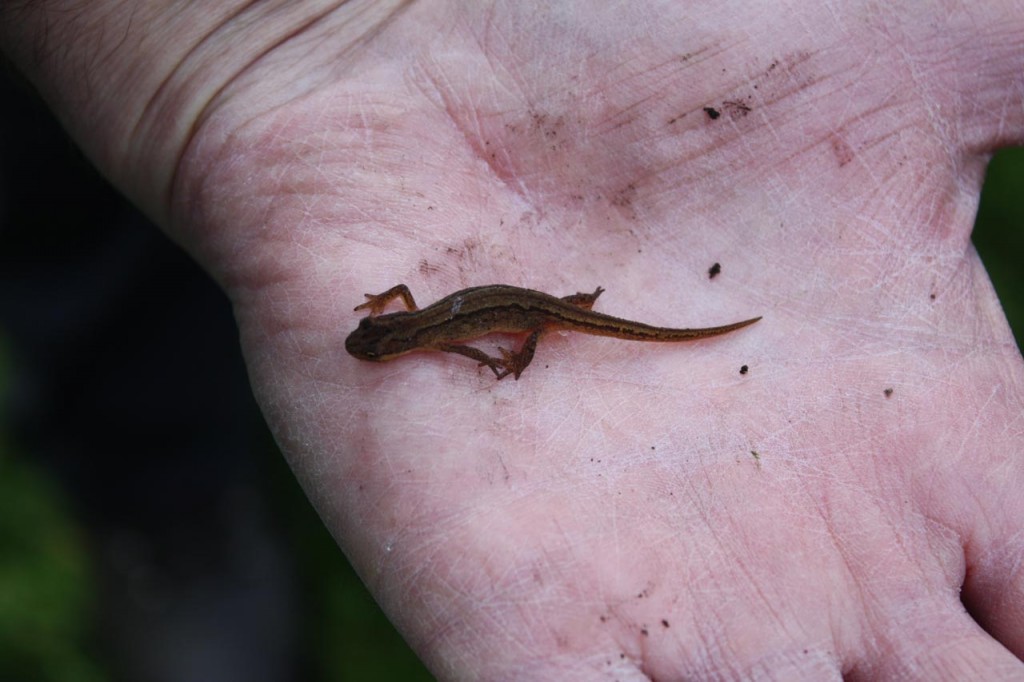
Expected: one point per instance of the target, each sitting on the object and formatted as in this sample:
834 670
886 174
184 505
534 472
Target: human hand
605 515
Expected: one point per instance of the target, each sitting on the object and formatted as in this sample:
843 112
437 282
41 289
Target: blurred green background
999 233
47 593
47 590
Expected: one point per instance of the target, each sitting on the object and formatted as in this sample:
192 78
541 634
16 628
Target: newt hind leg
585 301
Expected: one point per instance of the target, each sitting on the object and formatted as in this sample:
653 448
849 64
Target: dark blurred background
149 530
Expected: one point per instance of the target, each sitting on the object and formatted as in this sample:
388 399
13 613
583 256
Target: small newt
496 308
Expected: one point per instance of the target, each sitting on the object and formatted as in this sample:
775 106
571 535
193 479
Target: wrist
134 82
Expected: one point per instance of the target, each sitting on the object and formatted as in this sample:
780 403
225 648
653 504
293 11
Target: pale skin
604 517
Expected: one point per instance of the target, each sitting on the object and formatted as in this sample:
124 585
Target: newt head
377 340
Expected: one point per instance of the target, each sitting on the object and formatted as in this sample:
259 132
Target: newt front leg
509 363
377 302
482 358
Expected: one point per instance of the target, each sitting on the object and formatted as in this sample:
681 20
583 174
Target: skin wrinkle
205 123
206 108
154 106
80 23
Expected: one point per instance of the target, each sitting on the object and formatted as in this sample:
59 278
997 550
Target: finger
993 590
993 587
952 648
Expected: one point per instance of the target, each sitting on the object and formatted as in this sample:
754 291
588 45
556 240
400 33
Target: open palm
628 510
